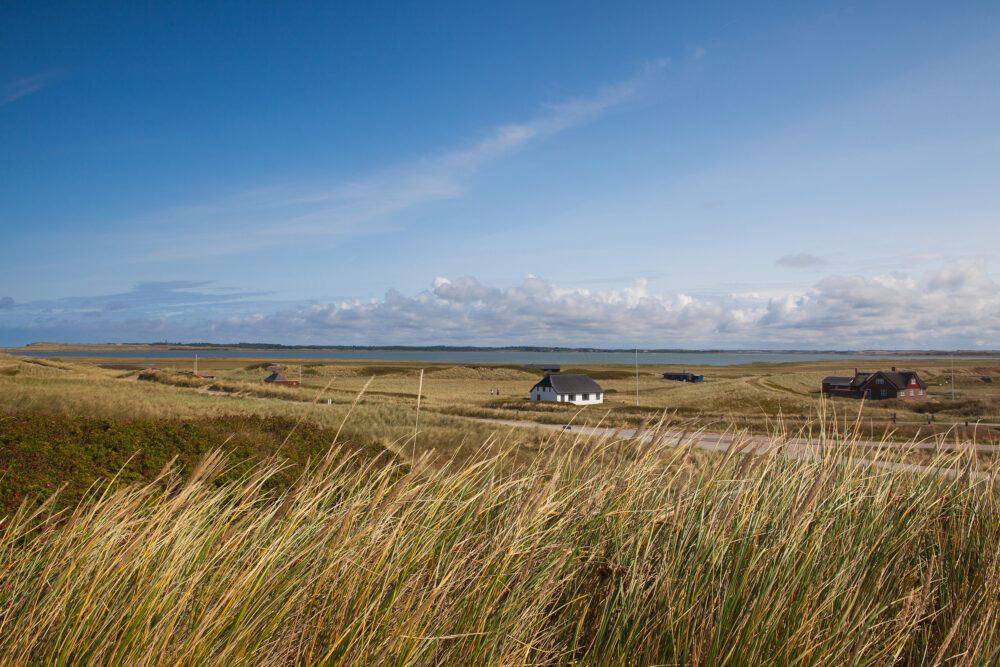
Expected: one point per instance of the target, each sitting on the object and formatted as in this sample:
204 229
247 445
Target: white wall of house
549 394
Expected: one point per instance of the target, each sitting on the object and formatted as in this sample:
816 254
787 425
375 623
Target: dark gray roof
546 367
898 380
846 382
570 384
275 377
902 379
860 379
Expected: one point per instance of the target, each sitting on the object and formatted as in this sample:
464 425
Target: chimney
855 371
893 369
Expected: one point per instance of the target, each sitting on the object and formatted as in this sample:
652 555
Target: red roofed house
877 386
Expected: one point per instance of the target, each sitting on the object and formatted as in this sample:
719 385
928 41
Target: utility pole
416 420
636 376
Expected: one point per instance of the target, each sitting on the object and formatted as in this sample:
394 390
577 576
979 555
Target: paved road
795 448
722 442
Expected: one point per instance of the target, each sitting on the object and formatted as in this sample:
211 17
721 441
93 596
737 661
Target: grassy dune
42 453
496 546
383 416
612 554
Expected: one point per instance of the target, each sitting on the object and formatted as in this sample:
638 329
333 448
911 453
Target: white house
576 389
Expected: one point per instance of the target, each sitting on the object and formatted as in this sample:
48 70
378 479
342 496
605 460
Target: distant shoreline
264 347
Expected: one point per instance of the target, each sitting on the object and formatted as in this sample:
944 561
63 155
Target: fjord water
486 356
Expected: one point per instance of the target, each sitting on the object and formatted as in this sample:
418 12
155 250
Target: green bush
39 454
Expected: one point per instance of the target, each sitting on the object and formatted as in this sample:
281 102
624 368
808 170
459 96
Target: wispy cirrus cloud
288 214
148 299
15 90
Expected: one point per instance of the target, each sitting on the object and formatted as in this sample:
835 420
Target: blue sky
580 173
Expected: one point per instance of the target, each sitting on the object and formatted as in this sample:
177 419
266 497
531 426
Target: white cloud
959 302
957 306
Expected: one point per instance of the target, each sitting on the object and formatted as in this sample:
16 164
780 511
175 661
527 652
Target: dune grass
604 553
85 391
40 453
747 394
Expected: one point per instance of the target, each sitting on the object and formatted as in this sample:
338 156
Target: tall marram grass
618 554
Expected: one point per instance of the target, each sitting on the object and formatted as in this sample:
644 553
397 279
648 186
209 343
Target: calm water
692 359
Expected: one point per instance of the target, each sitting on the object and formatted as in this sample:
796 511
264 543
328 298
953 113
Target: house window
920 392
883 392
911 392
879 381
902 394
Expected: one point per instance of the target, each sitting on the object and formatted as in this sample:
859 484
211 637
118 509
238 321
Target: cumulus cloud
956 306
960 303
802 260
465 311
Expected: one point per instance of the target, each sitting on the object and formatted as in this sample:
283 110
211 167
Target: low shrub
970 407
173 378
601 374
39 454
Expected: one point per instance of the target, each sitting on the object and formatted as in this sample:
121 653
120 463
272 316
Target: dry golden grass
500 545
751 397
87 391
606 553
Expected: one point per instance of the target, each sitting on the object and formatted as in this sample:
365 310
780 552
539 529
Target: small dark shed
685 376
